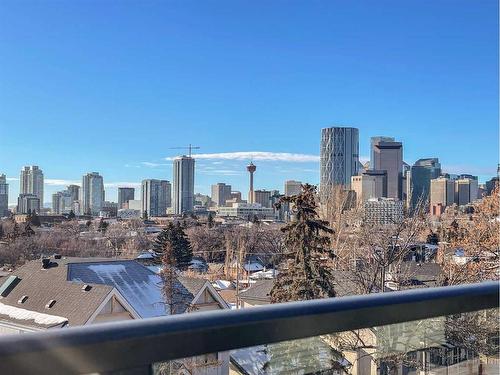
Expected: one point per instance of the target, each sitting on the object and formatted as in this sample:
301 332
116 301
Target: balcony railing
131 347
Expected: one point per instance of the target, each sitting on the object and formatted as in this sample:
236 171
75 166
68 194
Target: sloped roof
64 279
422 271
345 285
42 285
422 274
192 284
141 287
261 291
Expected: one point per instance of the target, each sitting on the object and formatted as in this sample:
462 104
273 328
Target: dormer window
51 303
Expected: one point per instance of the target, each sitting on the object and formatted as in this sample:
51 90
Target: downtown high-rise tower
92 193
339 156
183 192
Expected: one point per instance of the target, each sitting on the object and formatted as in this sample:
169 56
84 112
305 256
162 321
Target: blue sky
110 86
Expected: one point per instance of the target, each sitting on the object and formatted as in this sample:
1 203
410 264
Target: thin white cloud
153 165
122 184
12 179
58 182
257 155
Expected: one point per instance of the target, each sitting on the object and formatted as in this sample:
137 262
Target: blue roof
141 287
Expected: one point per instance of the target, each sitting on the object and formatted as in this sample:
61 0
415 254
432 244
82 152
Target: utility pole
238 275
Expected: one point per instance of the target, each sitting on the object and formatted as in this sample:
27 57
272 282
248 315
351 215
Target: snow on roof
269 274
145 256
23 314
253 267
155 269
141 287
221 284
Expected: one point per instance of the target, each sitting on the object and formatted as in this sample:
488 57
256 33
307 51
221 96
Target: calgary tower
251 169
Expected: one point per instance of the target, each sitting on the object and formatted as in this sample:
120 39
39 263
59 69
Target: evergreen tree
176 237
71 215
145 215
28 231
15 231
35 219
307 271
2 232
102 226
210 220
432 238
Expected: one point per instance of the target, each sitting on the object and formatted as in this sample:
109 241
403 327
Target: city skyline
428 84
237 176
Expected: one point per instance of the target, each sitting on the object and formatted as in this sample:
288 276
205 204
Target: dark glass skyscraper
4 196
387 155
125 194
183 194
421 174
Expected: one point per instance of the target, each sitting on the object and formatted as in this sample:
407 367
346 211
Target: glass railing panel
463 344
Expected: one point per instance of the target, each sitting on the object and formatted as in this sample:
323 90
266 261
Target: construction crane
190 148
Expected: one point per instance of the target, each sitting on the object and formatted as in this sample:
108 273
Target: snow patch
23 314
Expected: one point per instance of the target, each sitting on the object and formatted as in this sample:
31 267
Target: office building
404 182
383 211
419 180
368 185
221 193
62 202
31 182
235 198
92 194
28 203
466 189
437 209
262 197
56 206
183 194
339 159
373 141
125 194
155 197
126 213
74 191
109 209
76 207
135 204
4 196
247 211
202 200
442 192
292 188
388 156
490 185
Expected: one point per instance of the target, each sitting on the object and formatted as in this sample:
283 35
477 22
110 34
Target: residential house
66 292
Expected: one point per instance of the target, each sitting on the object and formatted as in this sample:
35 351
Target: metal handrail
133 345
